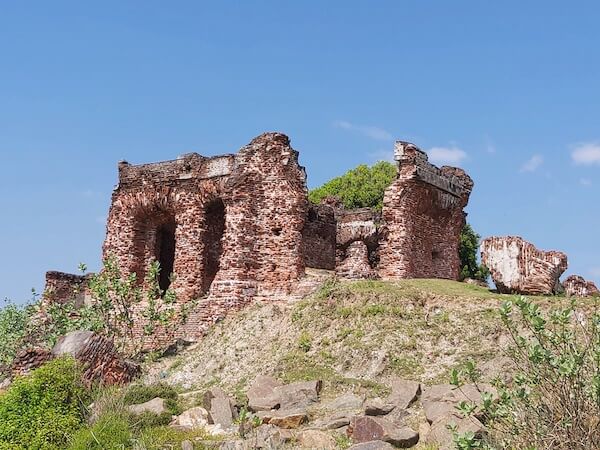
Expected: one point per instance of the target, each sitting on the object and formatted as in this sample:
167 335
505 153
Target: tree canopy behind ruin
361 187
364 187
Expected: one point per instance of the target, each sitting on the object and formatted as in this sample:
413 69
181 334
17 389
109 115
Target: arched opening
165 252
214 216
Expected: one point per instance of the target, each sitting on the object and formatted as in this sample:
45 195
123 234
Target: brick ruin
239 227
517 266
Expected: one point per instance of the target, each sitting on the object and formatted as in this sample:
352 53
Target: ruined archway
164 252
214 218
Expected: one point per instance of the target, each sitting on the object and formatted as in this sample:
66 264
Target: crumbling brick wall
62 287
422 218
229 227
319 237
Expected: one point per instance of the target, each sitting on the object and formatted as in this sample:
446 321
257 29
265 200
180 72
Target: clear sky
508 90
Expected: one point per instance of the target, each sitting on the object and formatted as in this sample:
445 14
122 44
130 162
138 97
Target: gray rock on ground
284 418
192 418
156 406
298 395
316 439
440 434
378 407
261 394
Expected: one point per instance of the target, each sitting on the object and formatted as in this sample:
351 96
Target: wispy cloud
586 154
532 164
373 132
595 272
446 155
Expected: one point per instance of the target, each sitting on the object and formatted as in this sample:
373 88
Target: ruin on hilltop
238 227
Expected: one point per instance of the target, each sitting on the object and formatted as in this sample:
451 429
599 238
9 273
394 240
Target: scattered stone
187 445
298 395
213 392
261 395
366 428
333 423
404 392
268 436
196 417
441 400
156 406
377 407
436 410
372 445
315 439
284 418
517 267
577 286
441 435
221 412
234 445
345 402
499 367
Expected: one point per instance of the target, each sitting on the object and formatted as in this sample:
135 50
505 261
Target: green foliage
141 393
42 410
469 244
304 341
362 187
13 329
554 400
109 432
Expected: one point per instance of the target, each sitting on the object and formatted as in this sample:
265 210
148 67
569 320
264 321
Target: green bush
141 393
13 329
469 244
362 187
42 410
554 399
109 432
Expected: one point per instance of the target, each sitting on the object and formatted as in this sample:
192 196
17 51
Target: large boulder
98 356
517 267
298 395
577 286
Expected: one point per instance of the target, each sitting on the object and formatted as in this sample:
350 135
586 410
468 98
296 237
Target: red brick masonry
236 227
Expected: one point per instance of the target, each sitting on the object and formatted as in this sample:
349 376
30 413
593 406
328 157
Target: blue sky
508 90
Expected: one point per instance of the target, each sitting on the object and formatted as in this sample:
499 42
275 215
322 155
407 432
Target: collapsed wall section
422 218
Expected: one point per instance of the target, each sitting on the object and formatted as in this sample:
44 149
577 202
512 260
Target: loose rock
261 395
315 439
156 406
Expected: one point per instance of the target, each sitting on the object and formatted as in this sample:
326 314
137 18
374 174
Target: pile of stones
293 415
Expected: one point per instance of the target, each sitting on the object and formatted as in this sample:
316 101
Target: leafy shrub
554 400
42 410
109 432
362 187
13 329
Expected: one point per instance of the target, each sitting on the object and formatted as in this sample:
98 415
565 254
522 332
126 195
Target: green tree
469 244
364 186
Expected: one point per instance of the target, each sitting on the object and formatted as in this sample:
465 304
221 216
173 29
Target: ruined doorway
214 218
165 252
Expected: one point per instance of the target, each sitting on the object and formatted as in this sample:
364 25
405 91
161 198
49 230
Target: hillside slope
351 335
